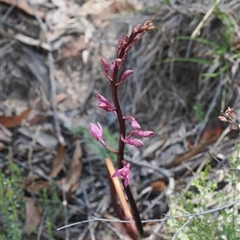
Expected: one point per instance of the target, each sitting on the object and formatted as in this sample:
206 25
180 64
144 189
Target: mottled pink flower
104 104
133 141
135 124
97 132
123 173
145 134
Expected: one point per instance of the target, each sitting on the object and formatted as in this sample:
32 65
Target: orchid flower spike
123 173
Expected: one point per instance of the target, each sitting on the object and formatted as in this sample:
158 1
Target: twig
65 203
30 152
181 228
40 229
194 215
91 225
8 12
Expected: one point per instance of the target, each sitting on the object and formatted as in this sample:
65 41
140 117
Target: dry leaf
61 97
33 216
158 186
35 184
5 134
72 181
24 7
73 49
13 121
58 162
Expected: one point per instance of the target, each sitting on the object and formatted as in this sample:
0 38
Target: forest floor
186 71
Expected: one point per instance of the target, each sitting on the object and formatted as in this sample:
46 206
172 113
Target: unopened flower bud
104 104
145 134
118 62
135 142
135 124
148 25
105 65
125 75
222 119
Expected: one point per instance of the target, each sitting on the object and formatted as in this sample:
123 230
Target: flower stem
122 131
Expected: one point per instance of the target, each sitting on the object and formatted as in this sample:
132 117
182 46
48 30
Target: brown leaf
158 186
33 216
61 97
73 48
24 7
35 184
58 162
72 181
13 121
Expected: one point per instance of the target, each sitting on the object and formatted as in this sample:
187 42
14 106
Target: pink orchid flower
123 173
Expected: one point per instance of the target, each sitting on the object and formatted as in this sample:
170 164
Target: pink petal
135 124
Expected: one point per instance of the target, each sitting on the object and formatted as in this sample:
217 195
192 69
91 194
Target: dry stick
118 189
195 175
40 229
181 228
52 79
30 152
65 203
